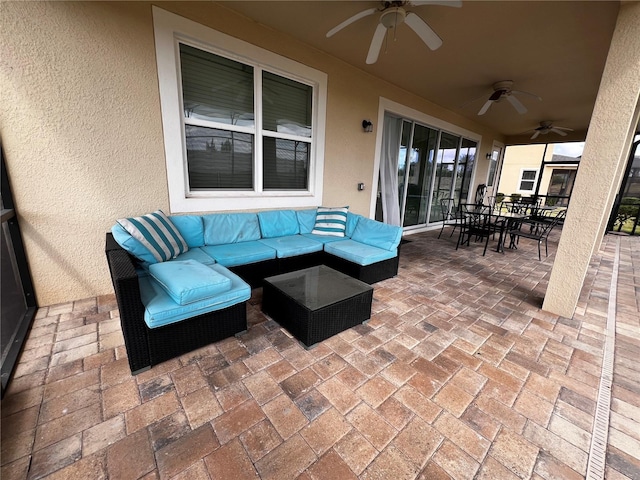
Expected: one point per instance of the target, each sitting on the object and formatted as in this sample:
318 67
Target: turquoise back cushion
352 221
223 228
191 229
278 223
377 234
306 219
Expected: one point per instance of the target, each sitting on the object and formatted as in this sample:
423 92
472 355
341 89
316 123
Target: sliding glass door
429 165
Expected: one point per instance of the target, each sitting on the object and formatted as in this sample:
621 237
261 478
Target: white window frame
535 180
169 31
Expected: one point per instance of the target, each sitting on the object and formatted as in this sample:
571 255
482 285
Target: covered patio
498 366
458 374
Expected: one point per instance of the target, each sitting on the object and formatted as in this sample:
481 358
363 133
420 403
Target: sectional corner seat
168 308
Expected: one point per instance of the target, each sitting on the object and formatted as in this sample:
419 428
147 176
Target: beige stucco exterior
528 157
516 159
81 127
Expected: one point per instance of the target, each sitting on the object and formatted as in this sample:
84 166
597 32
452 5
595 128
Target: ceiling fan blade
520 92
376 44
350 20
564 128
484 95
535 135
485 107
517 104
444 3
424 31
559 132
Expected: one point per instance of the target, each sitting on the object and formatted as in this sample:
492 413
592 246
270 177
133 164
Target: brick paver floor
458 374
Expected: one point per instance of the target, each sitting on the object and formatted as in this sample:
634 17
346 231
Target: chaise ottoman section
150 346
161 309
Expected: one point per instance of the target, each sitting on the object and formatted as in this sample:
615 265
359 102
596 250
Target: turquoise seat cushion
292 245
331 221
278 223
322 238
235 254
191 229
196 254
224 228
377 234
357 252
157 233
188 281
306 219
160 309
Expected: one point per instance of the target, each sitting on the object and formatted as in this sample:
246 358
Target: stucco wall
81 128
517 158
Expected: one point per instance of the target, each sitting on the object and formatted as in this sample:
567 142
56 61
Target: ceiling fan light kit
393 17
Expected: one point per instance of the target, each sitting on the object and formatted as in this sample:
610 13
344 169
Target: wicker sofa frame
147 347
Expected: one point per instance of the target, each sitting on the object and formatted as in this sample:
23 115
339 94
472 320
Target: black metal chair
451 215
477 223
535 230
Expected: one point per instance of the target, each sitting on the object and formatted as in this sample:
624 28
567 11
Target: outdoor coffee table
316 303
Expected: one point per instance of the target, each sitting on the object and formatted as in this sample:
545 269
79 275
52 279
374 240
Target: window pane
529 175
286 105
218 159
286 164
216 88
526 185
465 167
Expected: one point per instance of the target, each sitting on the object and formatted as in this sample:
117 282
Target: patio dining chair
535 230
451 215
477 223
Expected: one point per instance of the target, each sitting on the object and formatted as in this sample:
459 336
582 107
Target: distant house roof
555 158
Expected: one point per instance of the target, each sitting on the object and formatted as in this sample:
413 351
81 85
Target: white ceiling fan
547 126
393 14
504 90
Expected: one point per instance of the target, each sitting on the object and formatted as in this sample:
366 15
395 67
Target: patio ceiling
556 50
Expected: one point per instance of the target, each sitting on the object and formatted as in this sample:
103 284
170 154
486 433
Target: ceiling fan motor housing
393 17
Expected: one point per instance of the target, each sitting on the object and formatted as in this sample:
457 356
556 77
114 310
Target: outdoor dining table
509 219
504 219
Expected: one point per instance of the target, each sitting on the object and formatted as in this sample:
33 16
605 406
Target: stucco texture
81 127
615 118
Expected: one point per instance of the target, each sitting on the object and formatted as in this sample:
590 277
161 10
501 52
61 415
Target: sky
570 149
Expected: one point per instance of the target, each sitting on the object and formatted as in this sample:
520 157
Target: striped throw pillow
331 221
157 233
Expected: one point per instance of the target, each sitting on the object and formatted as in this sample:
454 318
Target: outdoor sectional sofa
174 301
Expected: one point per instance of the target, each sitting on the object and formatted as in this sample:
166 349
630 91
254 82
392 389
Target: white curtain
389 170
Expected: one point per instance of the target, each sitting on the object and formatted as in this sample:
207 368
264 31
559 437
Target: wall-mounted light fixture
367 125
489 155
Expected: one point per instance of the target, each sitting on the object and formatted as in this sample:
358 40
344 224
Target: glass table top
318 287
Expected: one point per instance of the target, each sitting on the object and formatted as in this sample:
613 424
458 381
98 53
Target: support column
614 119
